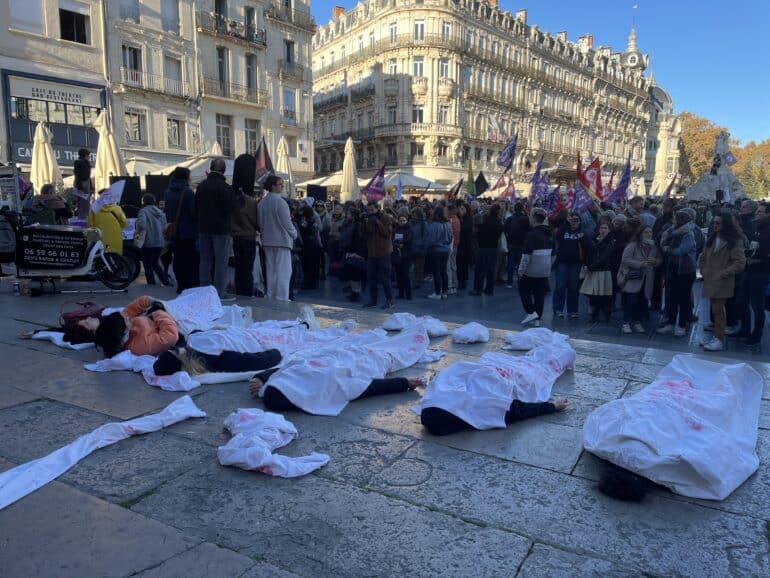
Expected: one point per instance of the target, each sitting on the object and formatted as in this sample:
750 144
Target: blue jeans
756 282
567 284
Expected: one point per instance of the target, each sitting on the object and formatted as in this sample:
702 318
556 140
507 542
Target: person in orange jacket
143 328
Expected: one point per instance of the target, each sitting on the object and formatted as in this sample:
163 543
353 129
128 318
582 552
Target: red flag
452 193
591 179
612 176
500 182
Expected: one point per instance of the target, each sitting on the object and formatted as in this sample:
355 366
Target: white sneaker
626 328
680 331
665 330
733 330
452 291
530 318
639 328
560 315
536 323
509 286
714 345
434 296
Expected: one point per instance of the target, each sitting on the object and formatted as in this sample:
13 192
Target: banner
375 189
506 156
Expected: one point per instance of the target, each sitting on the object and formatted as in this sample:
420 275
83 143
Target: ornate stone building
665 128
429 84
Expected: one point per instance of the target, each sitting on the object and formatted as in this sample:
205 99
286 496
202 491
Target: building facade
664 131
430 84
51 70
176 76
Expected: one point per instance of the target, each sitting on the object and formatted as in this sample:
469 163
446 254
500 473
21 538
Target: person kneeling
275 400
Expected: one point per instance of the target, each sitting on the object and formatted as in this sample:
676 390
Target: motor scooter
47 253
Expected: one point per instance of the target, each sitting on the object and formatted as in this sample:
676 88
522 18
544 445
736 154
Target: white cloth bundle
323 380
693 429
399 321
256 434
57 338
433 326
531 338
480 393
471 333
26 478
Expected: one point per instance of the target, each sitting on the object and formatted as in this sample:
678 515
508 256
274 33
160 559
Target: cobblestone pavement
393 500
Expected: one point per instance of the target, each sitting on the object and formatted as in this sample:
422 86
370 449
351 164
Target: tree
696 146
753 168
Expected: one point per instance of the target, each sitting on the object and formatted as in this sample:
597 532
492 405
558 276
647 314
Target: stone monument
719 178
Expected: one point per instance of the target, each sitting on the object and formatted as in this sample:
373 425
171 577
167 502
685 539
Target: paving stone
202 561
59 531
10 396
608 350
37 428
764 414
121 394
574 384
318 527
549 507
265 570
547 562
586 363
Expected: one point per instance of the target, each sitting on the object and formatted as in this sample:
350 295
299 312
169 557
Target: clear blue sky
710 55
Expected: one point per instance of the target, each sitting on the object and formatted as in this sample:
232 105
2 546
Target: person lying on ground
274 400
143 328
76 333
197 363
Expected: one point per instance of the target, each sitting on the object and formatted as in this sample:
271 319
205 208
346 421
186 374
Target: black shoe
474 293
751 340
353 297
370 306
388 305
488 292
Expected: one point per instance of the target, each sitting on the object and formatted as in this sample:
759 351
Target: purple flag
375 189
582 200
622 189
505 158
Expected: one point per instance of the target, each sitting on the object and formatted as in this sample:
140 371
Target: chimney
562 35
492 2
337 11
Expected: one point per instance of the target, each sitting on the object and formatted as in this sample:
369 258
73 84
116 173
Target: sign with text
55 92
51 248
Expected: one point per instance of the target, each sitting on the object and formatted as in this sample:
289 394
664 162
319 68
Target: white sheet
322 381
403 320
196 309
57 338
693 429
471 333
256 434
531 338
26 478
481 392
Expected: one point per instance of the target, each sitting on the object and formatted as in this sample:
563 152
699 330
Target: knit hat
167 364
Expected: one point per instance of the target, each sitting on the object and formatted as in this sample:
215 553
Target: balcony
391 161
362 91
290 70
299 18
327 101
391 87
289 117
419 85
136 79
220 26
446 87
361 134
214 88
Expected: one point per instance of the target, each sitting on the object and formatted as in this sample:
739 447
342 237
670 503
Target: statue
719 178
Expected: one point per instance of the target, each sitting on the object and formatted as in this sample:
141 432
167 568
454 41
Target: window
468 39
223 65
251 71
477 154
467 75
494 48
442 151
343 54
419 29
393 32
392 66
504 86
75 26
323 62
253 133
371 40
224 133
333 127
492 81
172 70
57 113
418 66
391 152
220 7
443 114
331 58
416 149
132 58
136 126
129 10
289 113
417 113
289 53
169 15
443 68
466 153
360 43
175 133
249 18
26 15
446 31
482 43
291 142
392 114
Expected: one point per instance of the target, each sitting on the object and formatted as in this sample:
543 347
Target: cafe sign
54 92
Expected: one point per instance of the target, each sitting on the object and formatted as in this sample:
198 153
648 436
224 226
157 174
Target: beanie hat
167 364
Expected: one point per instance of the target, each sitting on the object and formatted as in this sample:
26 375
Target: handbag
169 231
86 309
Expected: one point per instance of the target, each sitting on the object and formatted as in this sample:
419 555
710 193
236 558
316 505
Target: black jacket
488 234
762 254
571 246
81 168
516 229
602 254
186 229
214 205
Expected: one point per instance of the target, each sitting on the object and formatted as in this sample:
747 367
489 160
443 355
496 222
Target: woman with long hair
636 278
722 259
488 237
195 362
439 245
678 243
598 279
311 247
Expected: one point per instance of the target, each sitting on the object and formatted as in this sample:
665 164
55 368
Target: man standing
378 229
278 234
758 273
535 267
516 229
81 169
180 211
214 206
